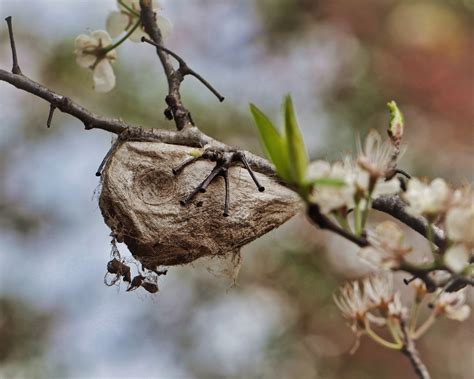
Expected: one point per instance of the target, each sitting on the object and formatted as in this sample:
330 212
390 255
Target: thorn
225 174
15 67
52 108
241 157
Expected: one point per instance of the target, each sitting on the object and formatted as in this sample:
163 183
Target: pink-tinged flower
428 200
452 305
128 15
91 53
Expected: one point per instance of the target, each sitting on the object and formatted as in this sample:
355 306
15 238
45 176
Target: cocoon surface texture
140 202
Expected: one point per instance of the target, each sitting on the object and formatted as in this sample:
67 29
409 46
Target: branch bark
410 351
179 112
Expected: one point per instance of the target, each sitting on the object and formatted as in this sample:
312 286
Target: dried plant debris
140 202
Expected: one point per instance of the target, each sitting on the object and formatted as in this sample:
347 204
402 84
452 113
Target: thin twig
63 103
410 351
185 69
16 67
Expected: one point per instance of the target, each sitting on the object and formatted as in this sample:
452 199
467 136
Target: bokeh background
342 61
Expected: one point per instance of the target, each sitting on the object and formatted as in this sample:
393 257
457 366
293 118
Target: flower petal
457 258
104 77
137 35
460 314
116 23
165 26
103 37
85 60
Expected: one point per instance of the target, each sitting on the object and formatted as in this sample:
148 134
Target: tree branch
179 112
410 351
184 69
395 207
64 104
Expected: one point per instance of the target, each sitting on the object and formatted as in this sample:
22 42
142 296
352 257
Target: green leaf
272 142
295 145
329 182
395 128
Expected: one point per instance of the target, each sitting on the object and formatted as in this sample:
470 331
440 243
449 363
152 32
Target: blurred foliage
24 332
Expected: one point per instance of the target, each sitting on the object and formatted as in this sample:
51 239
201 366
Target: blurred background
342 61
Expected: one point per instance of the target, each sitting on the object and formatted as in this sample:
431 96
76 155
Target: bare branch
64 104
395 207
184 69
180 114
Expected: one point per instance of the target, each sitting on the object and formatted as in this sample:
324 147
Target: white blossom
127 16
460 217
396 309
387 250
376 155
364 182
354 304
452 305
427 199
90 54
328 197
457 257
379 288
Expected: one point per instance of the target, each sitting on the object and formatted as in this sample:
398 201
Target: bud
395 128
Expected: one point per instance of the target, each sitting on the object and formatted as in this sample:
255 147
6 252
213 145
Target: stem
122 40
357 220
414 312
365 214
425 326
394 331
380 340
410 351
342 221
133 12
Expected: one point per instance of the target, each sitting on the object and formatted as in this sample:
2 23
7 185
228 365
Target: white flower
460 217
376 156
457 257
329 197
354 304
452 305
90 54
129 14
379 289
396 309
387 250
427 199
364 182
